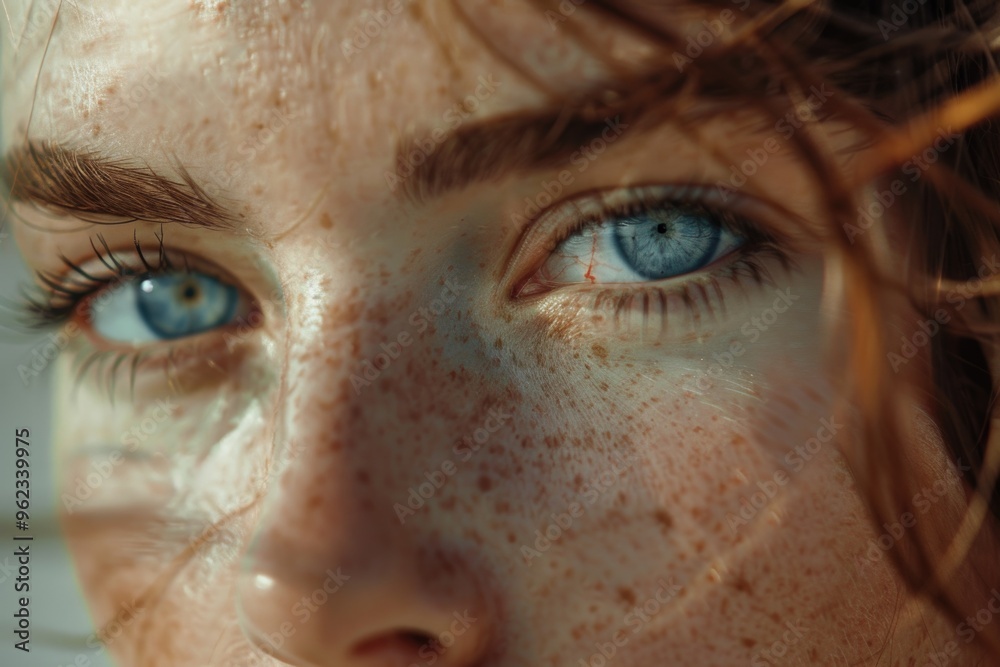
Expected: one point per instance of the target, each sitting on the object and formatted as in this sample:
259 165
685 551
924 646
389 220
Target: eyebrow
88 184
490 149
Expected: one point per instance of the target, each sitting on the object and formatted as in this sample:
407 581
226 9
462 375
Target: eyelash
64 295
749 262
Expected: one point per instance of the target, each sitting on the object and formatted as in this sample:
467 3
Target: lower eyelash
702 296
54 303
106 368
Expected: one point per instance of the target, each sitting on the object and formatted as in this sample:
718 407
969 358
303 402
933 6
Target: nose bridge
331 576
330 431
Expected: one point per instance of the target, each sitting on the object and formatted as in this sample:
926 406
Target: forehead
229 65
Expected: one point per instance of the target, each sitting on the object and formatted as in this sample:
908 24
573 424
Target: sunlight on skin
624 438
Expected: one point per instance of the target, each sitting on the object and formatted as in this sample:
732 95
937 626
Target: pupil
190 292
662 228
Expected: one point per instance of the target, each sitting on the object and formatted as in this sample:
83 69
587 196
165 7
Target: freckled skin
277 470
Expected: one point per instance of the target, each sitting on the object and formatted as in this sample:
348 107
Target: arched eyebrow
491 149
88 184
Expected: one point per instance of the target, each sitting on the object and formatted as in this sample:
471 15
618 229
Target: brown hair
903 71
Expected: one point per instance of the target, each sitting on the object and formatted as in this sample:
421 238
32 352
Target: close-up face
397 333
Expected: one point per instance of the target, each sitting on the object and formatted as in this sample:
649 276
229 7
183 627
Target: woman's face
427 375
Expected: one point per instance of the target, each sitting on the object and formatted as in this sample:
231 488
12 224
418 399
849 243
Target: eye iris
174 306
661 244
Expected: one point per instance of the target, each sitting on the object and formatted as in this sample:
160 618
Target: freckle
448 503
600 350
325 222
626 595
502 507
485 483
742 585
748 642
498 344
511 537
363 477
663 518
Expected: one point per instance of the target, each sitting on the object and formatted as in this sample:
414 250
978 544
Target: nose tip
359 621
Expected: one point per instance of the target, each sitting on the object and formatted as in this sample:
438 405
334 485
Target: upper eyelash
646 200
688 198
48 307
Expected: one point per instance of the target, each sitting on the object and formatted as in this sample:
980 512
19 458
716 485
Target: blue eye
641 240
664 243
165 307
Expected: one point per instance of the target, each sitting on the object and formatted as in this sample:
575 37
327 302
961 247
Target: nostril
417 638
404 648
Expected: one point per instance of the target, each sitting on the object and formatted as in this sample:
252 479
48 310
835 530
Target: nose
328 580
363 618
332 575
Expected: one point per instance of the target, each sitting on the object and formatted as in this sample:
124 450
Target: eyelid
594 207
69 294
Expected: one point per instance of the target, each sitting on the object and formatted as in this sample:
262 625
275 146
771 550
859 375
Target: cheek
145 486
721 472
